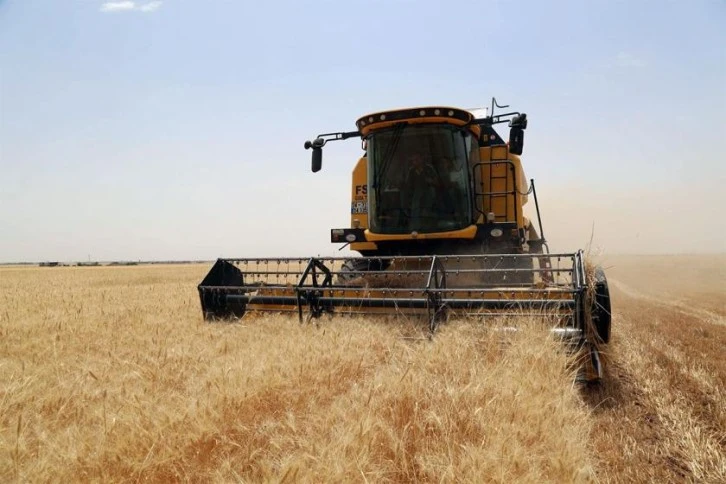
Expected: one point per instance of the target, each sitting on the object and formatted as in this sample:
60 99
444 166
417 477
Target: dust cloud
662 220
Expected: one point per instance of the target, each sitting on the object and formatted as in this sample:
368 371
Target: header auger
437 217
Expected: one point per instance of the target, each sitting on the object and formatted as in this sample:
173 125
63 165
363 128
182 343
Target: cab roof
417 115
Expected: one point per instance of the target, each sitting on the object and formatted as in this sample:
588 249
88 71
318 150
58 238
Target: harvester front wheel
601 316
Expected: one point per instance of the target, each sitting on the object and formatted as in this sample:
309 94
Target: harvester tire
601 316
352 268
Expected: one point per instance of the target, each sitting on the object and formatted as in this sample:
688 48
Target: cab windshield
418 179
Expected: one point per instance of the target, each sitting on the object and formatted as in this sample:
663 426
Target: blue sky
174 129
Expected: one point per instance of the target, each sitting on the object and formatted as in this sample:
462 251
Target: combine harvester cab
437 217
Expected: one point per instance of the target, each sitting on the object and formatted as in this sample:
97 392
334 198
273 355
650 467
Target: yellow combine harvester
437 216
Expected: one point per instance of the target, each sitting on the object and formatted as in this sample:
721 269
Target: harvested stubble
660 416
110 374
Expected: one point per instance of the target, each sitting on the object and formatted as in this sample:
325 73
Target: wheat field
110 374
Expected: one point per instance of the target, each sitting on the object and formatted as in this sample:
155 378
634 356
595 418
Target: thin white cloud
117 6
128 6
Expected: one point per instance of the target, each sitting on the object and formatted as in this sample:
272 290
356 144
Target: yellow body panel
359 195
502 177
465 233
363 246
359 203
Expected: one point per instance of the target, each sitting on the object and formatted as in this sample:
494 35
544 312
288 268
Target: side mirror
516 134
516 140
317 158
317 164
